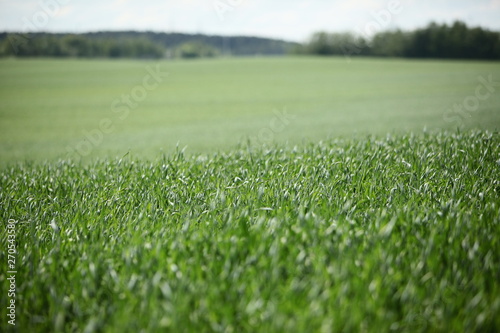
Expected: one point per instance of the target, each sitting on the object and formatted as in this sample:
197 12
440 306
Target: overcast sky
284 19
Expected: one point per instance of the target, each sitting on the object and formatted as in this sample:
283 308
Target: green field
214 104
309 197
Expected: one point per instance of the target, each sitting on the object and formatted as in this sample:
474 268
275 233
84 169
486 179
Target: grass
214 104
397 232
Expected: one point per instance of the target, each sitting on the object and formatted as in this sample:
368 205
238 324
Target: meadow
250 195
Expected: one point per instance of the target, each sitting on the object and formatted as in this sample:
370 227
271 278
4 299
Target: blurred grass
214 104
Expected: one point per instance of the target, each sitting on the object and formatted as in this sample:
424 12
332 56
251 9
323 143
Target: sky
293 20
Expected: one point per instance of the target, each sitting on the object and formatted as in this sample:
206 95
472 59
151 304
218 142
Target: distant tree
49 45
76 46
196 50
133 44
390 44
434 41
319 44
456 41
323 43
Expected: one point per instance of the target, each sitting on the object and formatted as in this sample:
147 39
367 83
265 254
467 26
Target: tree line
132 44
455 41
49 45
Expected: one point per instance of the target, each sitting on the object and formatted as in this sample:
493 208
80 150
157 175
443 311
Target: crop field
250 195
96 108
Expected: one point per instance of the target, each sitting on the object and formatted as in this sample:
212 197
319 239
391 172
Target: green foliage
455 41
434 41
378 234
323 43
390 43
47 45
132 44
192 50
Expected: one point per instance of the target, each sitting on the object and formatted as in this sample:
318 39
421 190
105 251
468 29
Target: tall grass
397 233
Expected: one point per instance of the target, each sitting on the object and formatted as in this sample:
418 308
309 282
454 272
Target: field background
210 105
